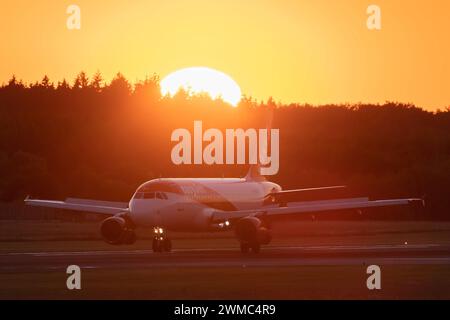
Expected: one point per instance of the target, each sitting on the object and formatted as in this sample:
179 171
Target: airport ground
306 260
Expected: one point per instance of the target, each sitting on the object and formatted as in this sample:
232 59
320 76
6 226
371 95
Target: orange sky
314 51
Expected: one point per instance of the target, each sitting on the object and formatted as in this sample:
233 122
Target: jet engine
116 230
251 230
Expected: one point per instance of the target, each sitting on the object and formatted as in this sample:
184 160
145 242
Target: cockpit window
161 186
149 195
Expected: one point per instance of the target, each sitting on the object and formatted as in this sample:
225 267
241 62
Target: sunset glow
197 80
313 52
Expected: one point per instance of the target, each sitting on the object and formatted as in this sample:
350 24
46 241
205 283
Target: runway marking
298 262
266 249
240 263
277 256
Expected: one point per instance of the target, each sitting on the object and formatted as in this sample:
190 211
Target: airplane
210 204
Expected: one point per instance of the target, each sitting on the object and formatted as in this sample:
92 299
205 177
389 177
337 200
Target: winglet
418 201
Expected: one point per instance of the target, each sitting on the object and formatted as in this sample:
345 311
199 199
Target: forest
91 139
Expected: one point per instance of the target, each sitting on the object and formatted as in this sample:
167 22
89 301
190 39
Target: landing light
227 223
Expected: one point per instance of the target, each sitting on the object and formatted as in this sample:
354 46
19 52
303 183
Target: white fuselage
188 204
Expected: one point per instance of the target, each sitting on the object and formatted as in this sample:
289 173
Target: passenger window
149 195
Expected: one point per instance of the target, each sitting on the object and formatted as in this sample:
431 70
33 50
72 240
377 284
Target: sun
197 80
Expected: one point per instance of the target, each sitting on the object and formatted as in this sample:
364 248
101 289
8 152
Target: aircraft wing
300 191
93 206
307 194
310 207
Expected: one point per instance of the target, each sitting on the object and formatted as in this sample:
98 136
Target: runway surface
269 257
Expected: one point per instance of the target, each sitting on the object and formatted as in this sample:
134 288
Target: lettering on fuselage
213 152
207 196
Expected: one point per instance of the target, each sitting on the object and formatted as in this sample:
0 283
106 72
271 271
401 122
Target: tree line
93 139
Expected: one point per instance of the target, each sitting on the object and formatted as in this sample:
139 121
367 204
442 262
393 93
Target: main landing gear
160 242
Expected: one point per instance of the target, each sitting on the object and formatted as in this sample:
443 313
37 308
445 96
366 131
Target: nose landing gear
160 242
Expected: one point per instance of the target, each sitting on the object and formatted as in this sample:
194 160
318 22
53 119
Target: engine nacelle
114 230
252 230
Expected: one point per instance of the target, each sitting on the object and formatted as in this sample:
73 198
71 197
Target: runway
417 254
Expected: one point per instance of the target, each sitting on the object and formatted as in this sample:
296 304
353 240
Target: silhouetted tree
119 86
81 81
45 83
63 85
101 140
148 89
97 81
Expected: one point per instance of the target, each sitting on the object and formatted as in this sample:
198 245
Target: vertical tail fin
263 162
254 173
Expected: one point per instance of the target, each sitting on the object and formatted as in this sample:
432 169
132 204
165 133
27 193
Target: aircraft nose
143 213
